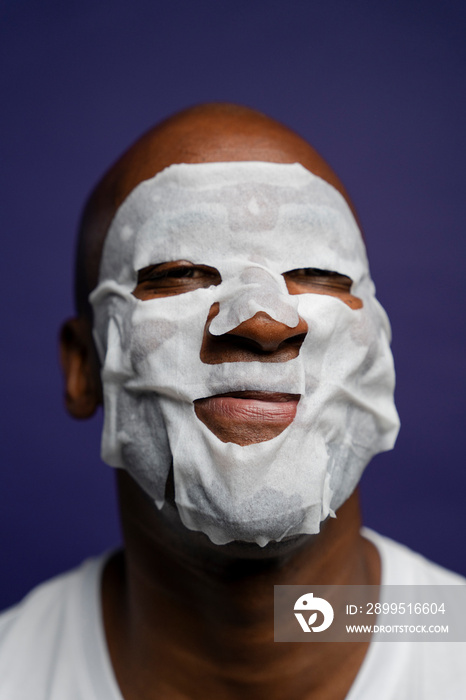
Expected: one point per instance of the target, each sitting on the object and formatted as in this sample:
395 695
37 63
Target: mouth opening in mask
247 417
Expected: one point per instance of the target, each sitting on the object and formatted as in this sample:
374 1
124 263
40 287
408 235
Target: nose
259 338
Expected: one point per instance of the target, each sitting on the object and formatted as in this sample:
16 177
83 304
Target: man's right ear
83 388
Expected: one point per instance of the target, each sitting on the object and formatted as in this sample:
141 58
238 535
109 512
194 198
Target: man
247 380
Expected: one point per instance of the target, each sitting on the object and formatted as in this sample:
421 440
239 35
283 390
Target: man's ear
83 388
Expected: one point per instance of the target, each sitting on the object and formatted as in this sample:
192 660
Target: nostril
294 340
297 338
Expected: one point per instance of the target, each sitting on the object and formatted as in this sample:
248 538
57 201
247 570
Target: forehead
279 215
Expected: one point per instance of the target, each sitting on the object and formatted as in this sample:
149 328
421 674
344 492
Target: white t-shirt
52 645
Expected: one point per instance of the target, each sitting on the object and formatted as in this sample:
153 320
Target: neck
188 619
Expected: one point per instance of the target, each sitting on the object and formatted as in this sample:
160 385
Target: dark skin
185 618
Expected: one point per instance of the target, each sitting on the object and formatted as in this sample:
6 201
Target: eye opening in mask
313 280
174 277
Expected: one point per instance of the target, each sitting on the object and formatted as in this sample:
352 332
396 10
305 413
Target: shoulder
403 566
42 603
43 634
413 669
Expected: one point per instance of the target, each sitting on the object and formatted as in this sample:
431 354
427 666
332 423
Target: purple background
378 88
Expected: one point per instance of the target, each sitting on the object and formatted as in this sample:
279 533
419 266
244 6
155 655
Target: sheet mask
251 221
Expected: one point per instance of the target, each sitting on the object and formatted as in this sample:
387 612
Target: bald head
204 134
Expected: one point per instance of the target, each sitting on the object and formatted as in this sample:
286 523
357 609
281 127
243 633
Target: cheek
147 337
165 335
337 339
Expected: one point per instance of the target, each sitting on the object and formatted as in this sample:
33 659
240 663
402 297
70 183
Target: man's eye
175 273
178 277
311 276
313 280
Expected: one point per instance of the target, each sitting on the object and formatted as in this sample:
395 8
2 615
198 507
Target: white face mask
252 222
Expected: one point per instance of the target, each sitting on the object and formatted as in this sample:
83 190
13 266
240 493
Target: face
241 340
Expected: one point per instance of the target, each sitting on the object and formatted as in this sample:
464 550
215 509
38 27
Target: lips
247 417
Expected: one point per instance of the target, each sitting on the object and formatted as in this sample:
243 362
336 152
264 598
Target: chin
272 550
236 549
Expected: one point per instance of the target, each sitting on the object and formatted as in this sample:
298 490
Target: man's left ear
83 388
